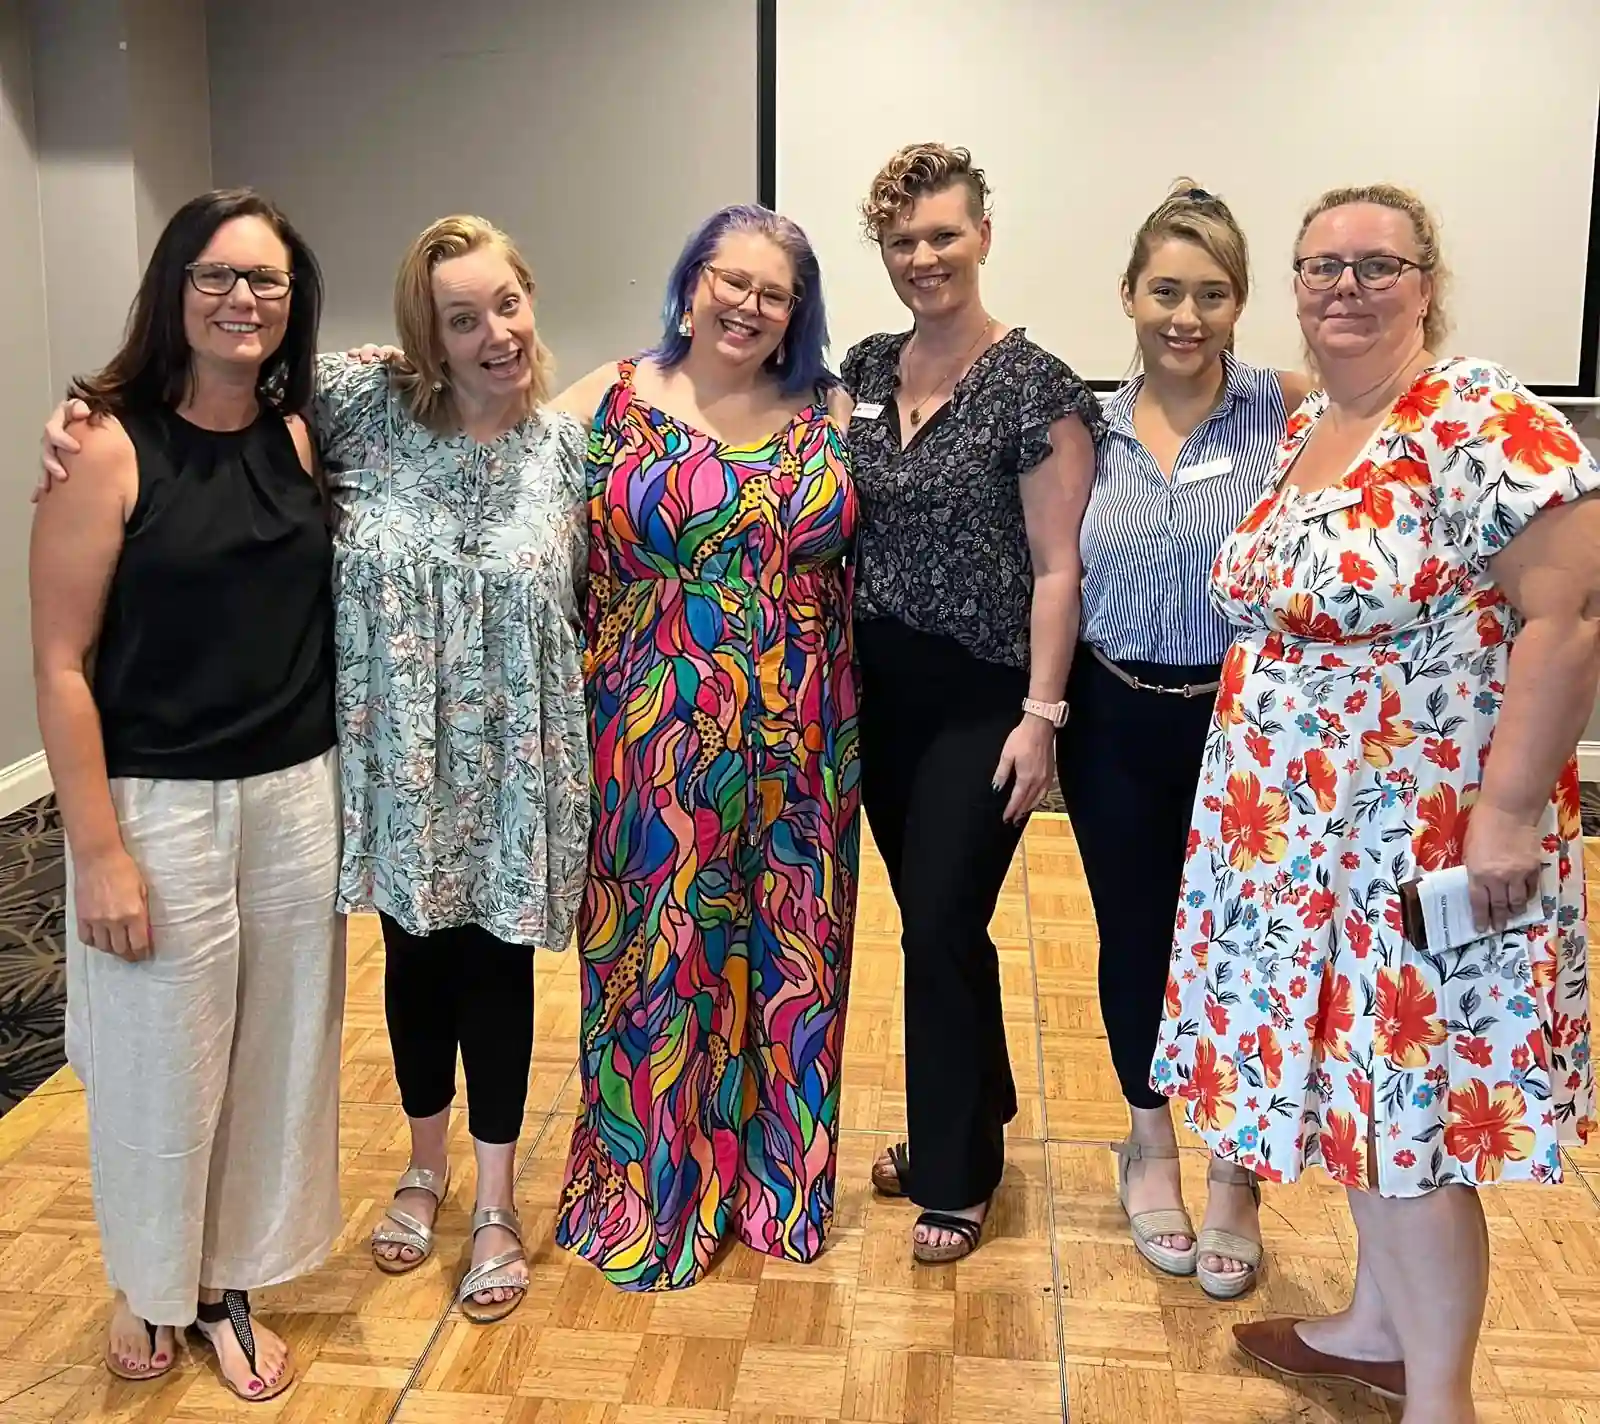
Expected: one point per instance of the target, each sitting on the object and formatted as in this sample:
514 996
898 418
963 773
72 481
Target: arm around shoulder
582 398
1296 386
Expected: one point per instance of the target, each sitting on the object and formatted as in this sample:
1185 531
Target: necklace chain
916 408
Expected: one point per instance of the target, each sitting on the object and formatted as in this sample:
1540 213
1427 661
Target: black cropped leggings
460 988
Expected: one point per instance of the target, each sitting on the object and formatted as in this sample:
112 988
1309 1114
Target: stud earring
686 324
438 385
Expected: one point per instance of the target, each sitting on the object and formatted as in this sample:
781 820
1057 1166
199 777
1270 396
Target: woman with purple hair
716 929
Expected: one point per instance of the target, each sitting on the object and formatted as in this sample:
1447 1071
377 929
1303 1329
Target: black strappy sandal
968 1232
234 1308
891 1181
153 1373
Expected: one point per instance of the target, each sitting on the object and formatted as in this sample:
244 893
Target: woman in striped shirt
1188 449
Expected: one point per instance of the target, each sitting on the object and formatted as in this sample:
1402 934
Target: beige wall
597 133
169 118
86 179
104 129
24 377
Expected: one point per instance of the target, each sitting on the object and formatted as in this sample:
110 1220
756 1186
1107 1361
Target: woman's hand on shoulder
58 443
372 354
98 457
841 405
582 398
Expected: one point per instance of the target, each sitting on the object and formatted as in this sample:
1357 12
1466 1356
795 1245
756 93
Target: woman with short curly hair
974 454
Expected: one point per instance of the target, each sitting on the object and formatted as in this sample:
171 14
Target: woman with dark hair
458 566
183 655
717 924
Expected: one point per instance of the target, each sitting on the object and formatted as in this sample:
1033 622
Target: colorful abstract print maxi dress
1346 750
716 930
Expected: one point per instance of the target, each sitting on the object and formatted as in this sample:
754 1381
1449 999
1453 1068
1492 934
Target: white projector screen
1082 112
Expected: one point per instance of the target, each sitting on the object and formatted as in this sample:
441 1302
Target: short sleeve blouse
942 545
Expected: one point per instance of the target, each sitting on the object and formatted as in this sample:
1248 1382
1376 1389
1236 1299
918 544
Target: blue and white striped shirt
1148 544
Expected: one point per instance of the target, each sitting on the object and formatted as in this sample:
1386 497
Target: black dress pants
1129 764
934 720
460 988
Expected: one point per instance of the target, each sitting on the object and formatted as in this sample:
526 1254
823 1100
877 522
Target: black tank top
215 658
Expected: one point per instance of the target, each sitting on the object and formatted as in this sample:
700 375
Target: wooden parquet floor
1055 1313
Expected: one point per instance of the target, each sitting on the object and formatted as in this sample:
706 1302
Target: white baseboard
1589 761
27 780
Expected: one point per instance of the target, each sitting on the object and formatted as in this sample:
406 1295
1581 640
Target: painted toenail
255 1386
159 1360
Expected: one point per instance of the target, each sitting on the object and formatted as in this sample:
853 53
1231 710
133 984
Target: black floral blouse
942 546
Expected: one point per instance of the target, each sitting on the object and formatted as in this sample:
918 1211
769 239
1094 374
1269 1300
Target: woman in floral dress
1428 519
717 925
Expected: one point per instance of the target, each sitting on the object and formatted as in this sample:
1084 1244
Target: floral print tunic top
1346 749
458 580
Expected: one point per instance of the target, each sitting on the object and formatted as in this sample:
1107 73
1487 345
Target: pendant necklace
916 409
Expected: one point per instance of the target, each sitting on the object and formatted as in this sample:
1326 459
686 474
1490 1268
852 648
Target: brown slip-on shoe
1277 1344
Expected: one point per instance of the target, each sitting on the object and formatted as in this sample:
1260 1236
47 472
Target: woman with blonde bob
458 562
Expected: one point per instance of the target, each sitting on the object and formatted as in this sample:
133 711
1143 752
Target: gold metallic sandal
492 1274
400 1228
1149 1226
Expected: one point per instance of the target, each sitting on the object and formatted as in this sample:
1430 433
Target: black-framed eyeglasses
1377 272
731 289
217 279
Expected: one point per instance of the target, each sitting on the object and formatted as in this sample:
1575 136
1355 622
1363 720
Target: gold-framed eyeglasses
217 279
1376 272
731 289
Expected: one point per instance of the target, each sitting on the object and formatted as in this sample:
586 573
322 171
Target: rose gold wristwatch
1055 713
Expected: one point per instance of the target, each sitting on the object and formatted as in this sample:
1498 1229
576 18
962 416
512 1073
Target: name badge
1329 501
1207 469
867 410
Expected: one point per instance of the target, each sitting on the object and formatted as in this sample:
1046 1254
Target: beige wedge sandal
1230 1285
1148 1226
400 1228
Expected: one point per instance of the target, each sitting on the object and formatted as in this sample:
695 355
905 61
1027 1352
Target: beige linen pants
212 1067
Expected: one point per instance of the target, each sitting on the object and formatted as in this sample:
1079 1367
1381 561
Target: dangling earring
686 324
983 259
777 356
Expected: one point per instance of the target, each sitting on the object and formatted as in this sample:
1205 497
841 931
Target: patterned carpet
32 982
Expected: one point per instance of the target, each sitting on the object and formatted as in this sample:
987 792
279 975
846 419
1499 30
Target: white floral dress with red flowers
1345 751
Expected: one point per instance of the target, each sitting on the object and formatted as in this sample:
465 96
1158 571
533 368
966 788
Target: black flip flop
234 1307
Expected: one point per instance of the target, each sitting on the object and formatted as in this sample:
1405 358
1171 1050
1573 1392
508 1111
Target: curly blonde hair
915 171
417 323
1425 230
